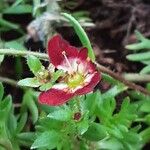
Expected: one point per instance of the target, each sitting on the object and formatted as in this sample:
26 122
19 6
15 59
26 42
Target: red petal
55 48
91 67
83 54
54 97
90 86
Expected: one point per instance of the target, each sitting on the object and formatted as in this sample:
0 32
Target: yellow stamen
75 80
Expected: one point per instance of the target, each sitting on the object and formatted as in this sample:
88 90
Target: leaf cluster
143 55
14 133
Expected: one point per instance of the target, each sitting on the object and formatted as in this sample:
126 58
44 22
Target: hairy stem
22 53
99 67
121 79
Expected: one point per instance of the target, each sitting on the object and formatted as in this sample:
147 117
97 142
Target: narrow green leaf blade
15 45
145 70
145 134
139 56
81 34
8 24
30 103
26 138
1 91
19 9
1 58
22 122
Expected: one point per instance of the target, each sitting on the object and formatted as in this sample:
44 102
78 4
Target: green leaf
1 58
5 108
22 122
15 45
136 128
37 4
139 96
34 64
5 143
11 122
25 138
136 46
109 79
30 82
127 113
82 126
8 24
114 91
17 2
139 36
146 62
95 132
29 102
50 124
111 144
91 101
61 115
115 132
145 70
145 107
81 15
47 140
145 134
147 119
1 91
139 56
19 9
18 67
144 44
81 34
132 137
105 108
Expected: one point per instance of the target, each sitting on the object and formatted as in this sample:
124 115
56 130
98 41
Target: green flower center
75 80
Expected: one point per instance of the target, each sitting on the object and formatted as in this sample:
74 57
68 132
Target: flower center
75 80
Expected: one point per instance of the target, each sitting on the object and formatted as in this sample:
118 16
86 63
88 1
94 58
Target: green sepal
34 64
29 82
46 86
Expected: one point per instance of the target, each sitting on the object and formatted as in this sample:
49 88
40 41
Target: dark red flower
80 73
